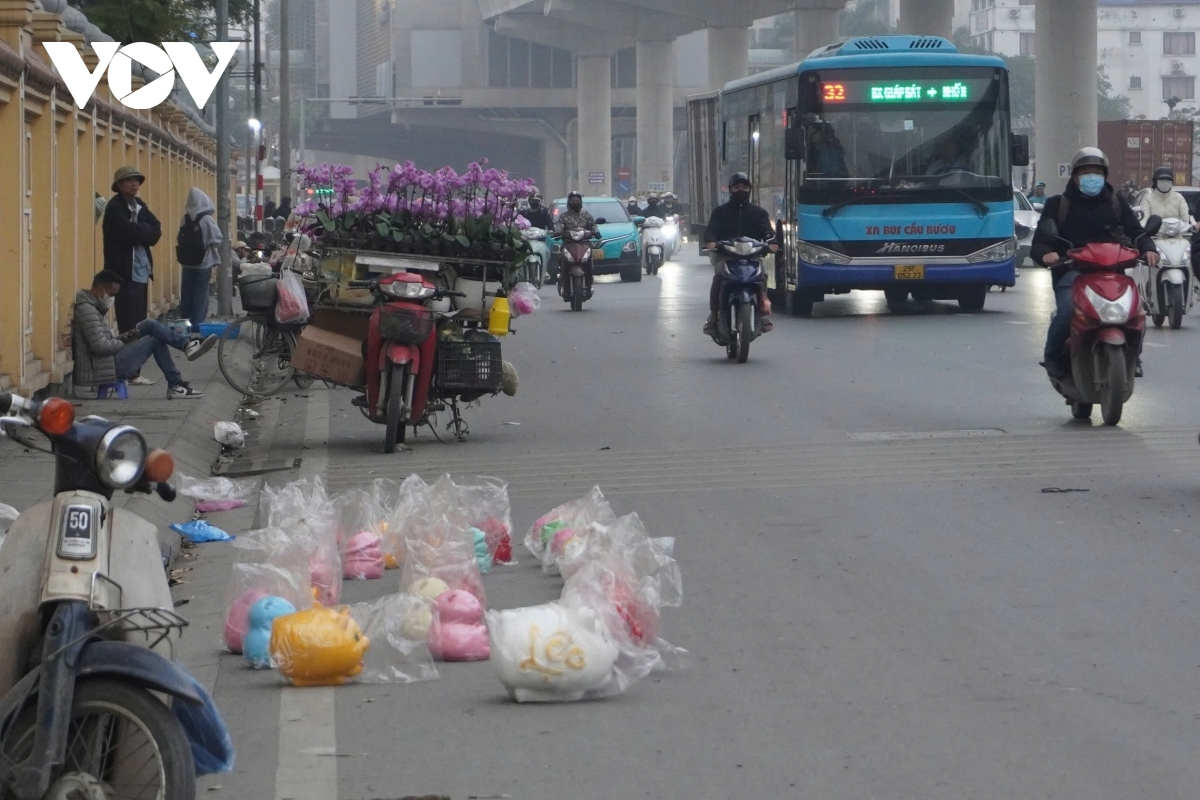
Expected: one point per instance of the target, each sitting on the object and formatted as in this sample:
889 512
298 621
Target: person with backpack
198 250
1088 211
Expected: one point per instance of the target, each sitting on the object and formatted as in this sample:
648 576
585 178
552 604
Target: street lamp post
225 271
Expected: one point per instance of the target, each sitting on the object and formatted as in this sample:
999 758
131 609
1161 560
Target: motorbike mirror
601 221
1020 150
1153 225
638 220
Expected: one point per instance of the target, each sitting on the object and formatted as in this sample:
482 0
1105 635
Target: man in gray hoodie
198 250
101 357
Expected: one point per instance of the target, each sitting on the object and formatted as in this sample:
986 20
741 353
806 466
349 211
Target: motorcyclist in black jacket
738 217
1088 211
538 215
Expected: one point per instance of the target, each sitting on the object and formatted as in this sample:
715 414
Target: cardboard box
332 356
348 323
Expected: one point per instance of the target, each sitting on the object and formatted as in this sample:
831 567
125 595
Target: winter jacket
732 220
93 341
121 235
1171 205
199 203
574 220
658 210
1089 220
539 217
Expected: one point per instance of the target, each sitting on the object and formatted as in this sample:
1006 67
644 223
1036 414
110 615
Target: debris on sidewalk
8 515
198 531
229 434
216 494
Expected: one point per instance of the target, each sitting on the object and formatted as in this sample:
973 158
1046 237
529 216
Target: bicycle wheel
255 356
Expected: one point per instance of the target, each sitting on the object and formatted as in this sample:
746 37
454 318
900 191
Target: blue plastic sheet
198 531
212 746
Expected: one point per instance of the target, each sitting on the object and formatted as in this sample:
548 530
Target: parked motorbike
738 320
86 714
575 267
1107 328
401 349
1167 288
655 246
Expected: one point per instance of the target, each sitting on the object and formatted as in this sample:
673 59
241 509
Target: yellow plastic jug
499 317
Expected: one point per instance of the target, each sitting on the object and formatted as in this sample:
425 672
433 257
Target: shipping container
703 142
1138 147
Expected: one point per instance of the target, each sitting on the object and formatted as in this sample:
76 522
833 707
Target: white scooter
1167 288
85 713
655 245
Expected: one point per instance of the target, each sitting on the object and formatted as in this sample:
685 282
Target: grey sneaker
141 380
198 347
184 391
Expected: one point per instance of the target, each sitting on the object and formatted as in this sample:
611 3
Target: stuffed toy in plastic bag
575 517
318 647
457 631
249 583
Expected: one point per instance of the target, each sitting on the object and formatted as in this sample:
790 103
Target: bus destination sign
896 92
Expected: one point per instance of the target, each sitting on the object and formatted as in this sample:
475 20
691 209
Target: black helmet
653 198
572 194
1089 157
1164 174
740 177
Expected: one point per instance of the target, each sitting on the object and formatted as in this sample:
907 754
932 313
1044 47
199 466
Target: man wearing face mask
538 215
1088 211
101 357
1164 201
575 218
738 217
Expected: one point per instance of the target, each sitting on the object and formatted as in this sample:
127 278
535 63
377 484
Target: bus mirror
1020 150
793 144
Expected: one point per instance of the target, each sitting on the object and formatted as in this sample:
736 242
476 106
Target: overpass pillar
594 101
927 17
655 113
814 28
728 55
1065 104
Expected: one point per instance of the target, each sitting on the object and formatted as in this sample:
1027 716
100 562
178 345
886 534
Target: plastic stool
119 390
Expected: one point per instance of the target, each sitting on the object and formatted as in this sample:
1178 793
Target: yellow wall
54 157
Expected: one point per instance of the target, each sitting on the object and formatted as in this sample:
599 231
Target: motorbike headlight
121 457
1112 312
817 256
1001 251
670 229
629 247
570 259
408 291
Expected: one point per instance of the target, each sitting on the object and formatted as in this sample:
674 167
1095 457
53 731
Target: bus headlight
1001 251
818 256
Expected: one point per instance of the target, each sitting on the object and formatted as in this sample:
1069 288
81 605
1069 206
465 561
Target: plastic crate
473 366
218 329
258 292
405 324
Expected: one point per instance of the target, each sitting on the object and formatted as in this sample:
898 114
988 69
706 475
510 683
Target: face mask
741 196
109 301
1165 186
1091 185
535 203
575 206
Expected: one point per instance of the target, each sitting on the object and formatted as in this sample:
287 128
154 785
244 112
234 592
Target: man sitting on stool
101 357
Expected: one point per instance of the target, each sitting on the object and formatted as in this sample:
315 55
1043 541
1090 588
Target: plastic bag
524 299
8 515
305 512
447 553
198 531
292 303
215 488
207 733
553 653
488 509
360 531
249 583
457 631
626 542
573 518
362 560
406 516
229 434
318 646
394 656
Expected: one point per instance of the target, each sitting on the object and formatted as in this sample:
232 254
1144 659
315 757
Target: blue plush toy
482 554
256 647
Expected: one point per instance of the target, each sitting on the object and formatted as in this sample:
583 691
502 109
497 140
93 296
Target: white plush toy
552 653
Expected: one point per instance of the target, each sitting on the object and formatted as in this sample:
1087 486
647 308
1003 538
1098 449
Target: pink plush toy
458 632
363 559
237 622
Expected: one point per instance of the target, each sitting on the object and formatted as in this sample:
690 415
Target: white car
1025 220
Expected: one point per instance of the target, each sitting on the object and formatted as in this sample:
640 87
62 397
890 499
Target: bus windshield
925 136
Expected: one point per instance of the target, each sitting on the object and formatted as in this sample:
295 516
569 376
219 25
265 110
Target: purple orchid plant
407 209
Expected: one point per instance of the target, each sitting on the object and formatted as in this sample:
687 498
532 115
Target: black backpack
189 244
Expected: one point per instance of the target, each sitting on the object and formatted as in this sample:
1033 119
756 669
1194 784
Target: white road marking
307 724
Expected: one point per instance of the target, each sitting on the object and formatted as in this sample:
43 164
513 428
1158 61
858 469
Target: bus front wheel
800 303
972 298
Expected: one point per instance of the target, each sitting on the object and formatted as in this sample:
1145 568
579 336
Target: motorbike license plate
77 538
597 255
910 272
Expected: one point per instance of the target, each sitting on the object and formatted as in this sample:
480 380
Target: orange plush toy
318 646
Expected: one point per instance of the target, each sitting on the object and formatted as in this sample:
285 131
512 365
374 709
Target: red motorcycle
402 357
1107 328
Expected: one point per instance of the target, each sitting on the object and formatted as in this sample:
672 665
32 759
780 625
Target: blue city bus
887 163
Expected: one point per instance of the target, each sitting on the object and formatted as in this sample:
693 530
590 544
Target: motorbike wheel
153 759
1081 410
745 332
396 429
577 293
1175 306
1112 399
1158 320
